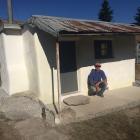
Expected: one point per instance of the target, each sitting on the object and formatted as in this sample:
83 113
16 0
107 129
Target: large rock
31 127
23 107
76 100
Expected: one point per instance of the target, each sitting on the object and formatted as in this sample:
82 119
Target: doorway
68 67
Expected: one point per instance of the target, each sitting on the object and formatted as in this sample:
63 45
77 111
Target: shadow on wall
137 76
4 76
123 48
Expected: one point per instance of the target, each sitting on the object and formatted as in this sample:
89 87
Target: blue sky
124 10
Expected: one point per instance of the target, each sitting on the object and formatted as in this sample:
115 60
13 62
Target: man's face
97 67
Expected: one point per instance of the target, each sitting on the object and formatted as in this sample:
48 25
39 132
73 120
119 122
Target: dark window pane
103 49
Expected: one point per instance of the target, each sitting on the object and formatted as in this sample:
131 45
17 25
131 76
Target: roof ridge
86 20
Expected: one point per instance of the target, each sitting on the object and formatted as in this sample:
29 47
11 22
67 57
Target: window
103 49
138 53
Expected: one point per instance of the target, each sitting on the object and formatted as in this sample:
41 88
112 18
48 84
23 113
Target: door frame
137 52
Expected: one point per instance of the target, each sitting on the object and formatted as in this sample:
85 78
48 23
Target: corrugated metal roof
59 25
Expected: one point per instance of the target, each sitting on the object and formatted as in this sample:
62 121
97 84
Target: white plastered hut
52 56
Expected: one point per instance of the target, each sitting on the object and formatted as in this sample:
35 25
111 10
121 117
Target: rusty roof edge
33 22
98 33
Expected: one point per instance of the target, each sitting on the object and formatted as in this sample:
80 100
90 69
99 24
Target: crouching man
97 81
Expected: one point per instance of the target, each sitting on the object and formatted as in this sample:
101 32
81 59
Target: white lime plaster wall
3 66
14 73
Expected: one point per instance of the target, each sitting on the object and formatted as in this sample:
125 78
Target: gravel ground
122 125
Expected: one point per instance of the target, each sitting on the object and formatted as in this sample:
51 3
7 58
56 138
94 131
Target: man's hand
97 84
97 87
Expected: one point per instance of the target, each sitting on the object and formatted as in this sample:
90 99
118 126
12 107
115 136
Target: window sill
104 58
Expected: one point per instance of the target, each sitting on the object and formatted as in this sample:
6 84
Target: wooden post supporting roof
58 75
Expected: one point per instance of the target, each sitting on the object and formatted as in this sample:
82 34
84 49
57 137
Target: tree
105 13
137 17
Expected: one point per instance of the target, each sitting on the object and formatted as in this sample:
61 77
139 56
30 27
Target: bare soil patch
122 125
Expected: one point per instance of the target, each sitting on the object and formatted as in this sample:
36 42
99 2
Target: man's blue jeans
92 89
